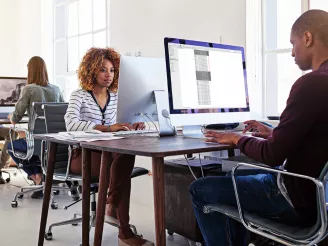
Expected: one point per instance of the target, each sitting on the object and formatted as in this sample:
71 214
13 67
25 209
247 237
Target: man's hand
120 127
138 126
223 137
258 129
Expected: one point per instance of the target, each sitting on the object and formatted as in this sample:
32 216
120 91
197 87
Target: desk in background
6 121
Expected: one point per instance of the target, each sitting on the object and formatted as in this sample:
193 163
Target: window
279 69
319 4
79 25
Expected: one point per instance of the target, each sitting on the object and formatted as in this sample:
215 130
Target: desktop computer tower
179 214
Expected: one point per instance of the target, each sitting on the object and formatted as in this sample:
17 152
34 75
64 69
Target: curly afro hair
91 64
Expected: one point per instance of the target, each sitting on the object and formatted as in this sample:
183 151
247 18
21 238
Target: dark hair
314 21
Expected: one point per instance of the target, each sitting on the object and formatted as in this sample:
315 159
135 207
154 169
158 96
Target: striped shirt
84 113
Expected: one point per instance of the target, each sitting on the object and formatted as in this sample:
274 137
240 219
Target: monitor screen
10 89
205 77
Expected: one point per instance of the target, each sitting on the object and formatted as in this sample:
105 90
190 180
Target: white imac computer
207 84
138 79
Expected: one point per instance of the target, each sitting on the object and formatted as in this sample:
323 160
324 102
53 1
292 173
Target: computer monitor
138 79
207 82
10 89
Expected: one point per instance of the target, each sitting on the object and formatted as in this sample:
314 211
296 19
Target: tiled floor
20 226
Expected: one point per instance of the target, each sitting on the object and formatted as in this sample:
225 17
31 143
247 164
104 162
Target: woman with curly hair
94 107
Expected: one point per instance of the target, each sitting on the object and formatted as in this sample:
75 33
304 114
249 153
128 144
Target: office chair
8 170
35 150
55 122
276 231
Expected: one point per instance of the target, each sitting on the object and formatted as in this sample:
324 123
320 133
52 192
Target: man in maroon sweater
301 139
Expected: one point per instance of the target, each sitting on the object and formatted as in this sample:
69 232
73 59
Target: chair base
9 176
77 218
34 188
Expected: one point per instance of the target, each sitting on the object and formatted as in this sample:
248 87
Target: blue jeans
258 193
32 166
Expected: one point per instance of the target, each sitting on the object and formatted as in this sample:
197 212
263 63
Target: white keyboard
135 132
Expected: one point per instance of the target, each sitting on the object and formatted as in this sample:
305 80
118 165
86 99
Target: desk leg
106 160
86 176
47 191
231 152
159 200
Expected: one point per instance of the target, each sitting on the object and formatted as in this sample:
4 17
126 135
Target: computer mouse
94 131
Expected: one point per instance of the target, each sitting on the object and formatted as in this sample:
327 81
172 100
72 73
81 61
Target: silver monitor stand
164 121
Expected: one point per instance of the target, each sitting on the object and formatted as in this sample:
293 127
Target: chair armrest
29 142
270 169
69 162
320 187
44 158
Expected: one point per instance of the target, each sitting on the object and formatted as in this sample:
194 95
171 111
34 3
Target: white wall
7 35
141 25
20 29
26 27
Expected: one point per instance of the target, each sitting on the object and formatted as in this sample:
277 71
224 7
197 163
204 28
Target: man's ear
308 39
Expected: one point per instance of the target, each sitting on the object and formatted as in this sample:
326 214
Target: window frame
67 73
256 53
271 108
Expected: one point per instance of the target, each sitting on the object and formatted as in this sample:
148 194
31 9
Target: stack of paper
85 136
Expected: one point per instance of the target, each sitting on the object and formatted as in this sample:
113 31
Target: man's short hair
314 21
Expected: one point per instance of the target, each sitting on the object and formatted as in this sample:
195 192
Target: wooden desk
154 147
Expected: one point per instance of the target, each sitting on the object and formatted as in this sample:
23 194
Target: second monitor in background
207 83
10 90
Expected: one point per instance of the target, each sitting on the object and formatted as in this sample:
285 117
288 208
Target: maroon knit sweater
301 137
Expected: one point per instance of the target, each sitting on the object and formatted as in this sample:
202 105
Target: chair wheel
56 192
14 204
75 224
48 236
20 196
7 180
170 233
54 205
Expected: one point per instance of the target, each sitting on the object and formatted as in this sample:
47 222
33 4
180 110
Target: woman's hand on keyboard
138 126
120 127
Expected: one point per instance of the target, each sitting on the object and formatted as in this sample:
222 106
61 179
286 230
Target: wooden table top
155 146
145 145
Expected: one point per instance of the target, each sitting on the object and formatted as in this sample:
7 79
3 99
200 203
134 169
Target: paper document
81 134
84 137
